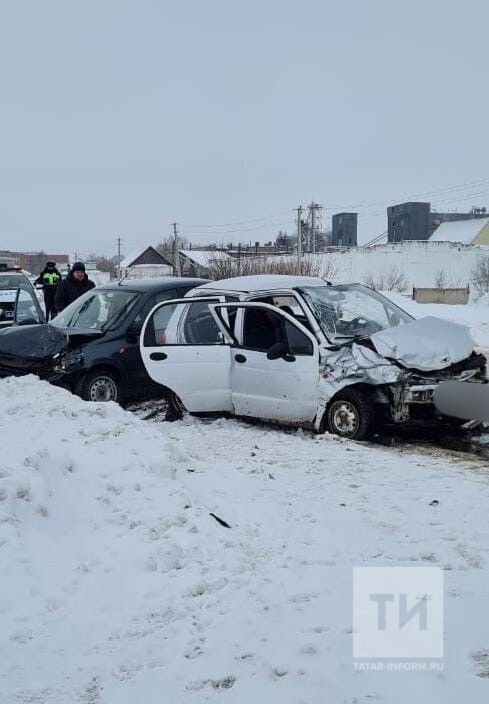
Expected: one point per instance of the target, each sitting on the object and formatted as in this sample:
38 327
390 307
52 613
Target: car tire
99 386
176 409
350 415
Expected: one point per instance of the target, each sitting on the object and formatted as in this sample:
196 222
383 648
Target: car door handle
158 356
240 358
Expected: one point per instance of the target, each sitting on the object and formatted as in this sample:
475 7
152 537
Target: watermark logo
397 612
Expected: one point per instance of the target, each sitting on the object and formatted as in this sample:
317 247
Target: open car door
274 362
187 351
18 306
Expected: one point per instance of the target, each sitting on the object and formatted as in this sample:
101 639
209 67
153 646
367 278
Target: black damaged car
92 346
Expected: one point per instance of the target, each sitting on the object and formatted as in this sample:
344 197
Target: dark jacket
70 289
49 278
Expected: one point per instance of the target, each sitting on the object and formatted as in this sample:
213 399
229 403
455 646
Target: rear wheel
350 415
99 386
176 409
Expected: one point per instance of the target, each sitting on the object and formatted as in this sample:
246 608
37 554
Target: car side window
264 328
199 327
298 344
159 297
289 304
183 324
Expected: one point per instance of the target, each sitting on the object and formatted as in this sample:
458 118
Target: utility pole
176 253
313 227
299 239
119 242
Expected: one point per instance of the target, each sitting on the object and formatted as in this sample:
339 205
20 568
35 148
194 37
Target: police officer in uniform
49 278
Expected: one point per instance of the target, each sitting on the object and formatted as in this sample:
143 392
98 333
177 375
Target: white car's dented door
185 350
267 381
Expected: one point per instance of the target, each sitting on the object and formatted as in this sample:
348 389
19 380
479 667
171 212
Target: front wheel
350 415
99 386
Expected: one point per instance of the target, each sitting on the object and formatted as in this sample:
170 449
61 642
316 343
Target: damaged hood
38 342
428 344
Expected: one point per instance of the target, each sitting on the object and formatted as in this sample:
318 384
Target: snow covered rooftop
134 255
264 282
127 261
464 231
204 257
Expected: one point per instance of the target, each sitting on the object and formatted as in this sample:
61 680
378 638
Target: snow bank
89 507
118 586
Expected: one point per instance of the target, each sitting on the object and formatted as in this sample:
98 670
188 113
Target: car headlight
70 360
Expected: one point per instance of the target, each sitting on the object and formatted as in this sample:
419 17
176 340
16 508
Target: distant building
408 221
7 262
145 263
474 231
416 221
345 227
34 262
197 262
98 277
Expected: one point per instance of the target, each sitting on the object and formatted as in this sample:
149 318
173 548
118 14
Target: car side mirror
279 349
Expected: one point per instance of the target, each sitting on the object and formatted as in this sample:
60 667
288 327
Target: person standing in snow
49 278
75 285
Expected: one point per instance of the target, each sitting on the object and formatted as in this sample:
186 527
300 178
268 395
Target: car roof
159 283
263 282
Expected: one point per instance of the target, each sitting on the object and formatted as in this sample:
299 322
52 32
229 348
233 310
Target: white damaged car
300 350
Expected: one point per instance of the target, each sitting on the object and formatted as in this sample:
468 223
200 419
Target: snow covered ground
119 586
475 314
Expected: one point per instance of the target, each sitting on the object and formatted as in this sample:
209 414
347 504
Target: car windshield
349 311
12 281
97 309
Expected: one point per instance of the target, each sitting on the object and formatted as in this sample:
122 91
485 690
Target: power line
241 222
196 233
404 198
213 229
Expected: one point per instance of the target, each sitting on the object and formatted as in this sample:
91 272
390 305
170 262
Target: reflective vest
50 278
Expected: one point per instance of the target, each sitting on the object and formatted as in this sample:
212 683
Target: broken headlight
70 360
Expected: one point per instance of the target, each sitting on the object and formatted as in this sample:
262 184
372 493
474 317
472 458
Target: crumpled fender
355 364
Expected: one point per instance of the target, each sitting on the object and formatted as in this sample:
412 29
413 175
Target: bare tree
104 263
441 278
393 280
249 266
326 267
37 262
480 276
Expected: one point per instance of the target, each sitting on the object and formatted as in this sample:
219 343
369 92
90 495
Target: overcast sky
118 117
